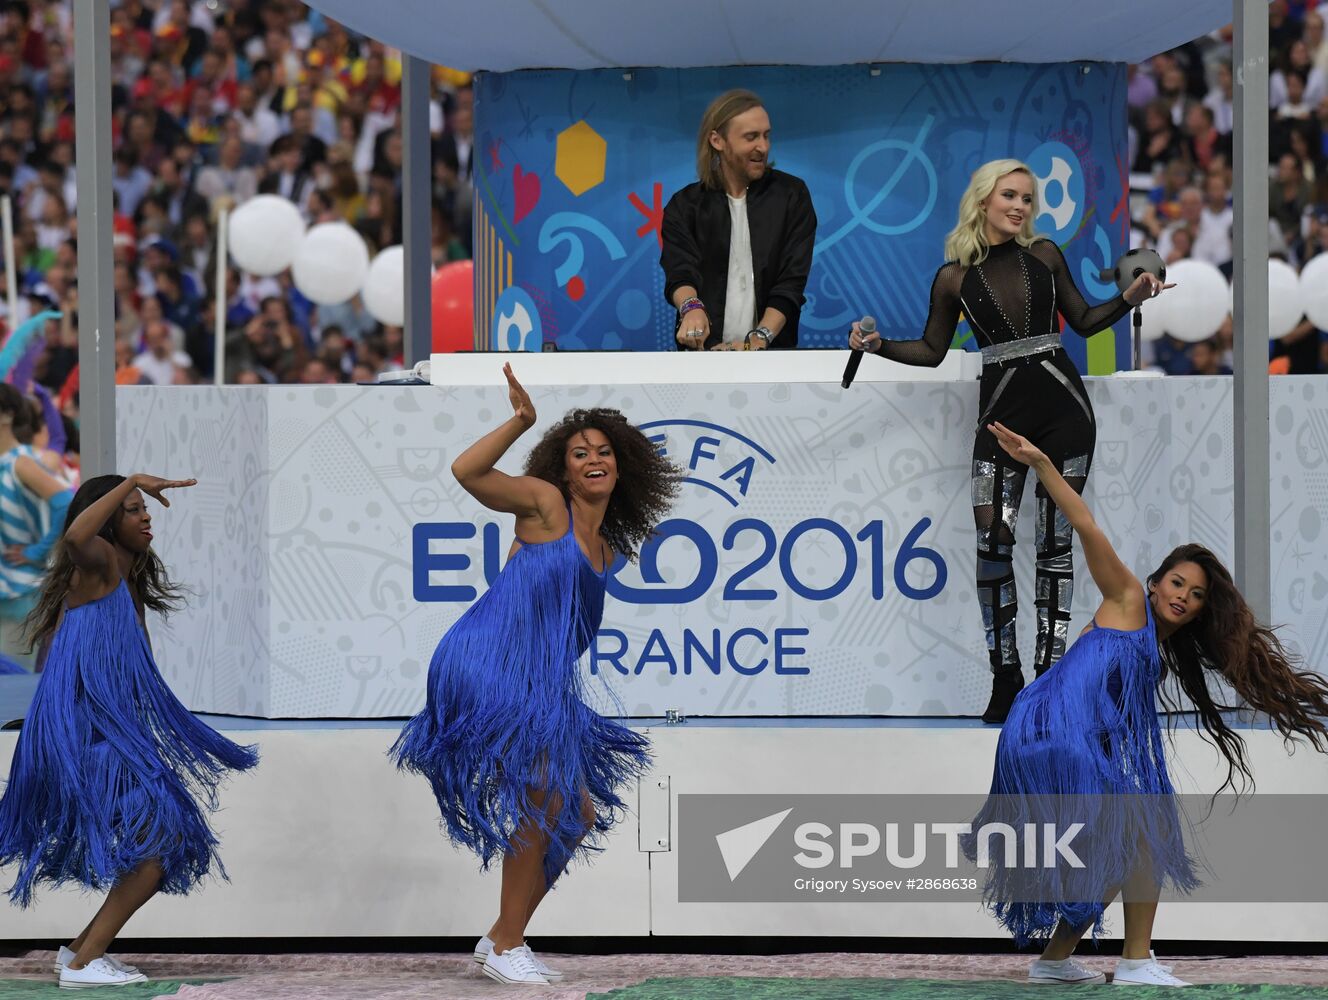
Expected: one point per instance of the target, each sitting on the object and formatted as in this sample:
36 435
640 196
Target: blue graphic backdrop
574 168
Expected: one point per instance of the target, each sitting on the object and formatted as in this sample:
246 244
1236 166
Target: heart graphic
527 189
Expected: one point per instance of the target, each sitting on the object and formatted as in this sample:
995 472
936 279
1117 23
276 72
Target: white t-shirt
161 371
740 301
1213 241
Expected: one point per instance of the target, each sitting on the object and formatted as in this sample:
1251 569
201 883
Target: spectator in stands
454 155
1160 141
1171 91
1202 136
1206 358
1295 104
35 503
1212 241
334 350
129 180
160 357
1298 64
1315 240
1163 205
285 176
259 126
317 372
1140 88
1301 146
126 372
1282 29
1220 97
1301 347
229 180
1288 195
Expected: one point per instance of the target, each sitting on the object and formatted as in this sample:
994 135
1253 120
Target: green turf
713 988
35 989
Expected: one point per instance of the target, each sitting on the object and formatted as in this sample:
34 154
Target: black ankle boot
1004 686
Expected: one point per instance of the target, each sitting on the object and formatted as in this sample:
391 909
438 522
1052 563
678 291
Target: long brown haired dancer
112 776
1087 732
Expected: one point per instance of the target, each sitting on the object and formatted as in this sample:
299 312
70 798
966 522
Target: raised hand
523 409
1016 446
154 485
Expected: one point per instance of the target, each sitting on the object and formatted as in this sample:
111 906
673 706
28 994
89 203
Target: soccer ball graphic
1060 184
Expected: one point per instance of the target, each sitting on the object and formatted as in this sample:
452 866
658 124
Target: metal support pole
96 295
1250 307
416 206
219 301
11 268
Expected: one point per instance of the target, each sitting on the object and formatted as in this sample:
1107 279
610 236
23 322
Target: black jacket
782 222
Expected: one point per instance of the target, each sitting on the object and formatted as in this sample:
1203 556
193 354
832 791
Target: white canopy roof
594 34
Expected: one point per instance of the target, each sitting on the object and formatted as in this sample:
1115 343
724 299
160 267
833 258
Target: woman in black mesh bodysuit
1011 284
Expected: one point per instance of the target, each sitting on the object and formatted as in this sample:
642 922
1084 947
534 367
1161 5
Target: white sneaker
1066 972
1148 974
1153 955
552 975
95 974
485 945
515 967
65 955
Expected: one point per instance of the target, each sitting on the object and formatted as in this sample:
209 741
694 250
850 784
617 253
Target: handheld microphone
868 325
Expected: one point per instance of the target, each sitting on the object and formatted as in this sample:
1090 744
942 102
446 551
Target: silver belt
998 353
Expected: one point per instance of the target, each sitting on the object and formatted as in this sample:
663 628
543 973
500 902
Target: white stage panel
325 839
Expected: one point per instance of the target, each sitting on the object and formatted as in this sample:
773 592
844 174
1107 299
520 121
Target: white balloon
1314 290
264 233
1284 308
385 287
1154 320
1196 307
330 264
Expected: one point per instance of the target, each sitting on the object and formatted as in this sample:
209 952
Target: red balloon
453 297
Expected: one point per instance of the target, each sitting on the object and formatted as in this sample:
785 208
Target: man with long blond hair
738 241
1011 284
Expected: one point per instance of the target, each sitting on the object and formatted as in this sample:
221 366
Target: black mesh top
1015 293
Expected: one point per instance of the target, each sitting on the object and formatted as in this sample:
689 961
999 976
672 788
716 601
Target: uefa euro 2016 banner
819 561
573 169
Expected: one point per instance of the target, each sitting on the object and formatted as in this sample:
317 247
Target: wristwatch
764 333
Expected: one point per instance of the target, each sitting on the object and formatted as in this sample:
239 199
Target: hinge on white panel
653 813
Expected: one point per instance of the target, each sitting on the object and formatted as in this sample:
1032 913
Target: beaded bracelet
689 304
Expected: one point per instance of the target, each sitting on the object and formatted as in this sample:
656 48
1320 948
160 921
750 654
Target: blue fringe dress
110 768
505 714
1083 743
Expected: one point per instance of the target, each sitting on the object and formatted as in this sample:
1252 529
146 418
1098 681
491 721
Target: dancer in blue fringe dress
111 775
521 767
1083 742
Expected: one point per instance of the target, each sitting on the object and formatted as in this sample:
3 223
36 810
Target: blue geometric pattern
887 152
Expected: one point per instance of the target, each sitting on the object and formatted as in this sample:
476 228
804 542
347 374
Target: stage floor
444 976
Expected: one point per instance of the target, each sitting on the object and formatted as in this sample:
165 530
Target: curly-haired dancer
1087 733
521 767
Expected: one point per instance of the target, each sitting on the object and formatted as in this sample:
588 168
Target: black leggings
1042 398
